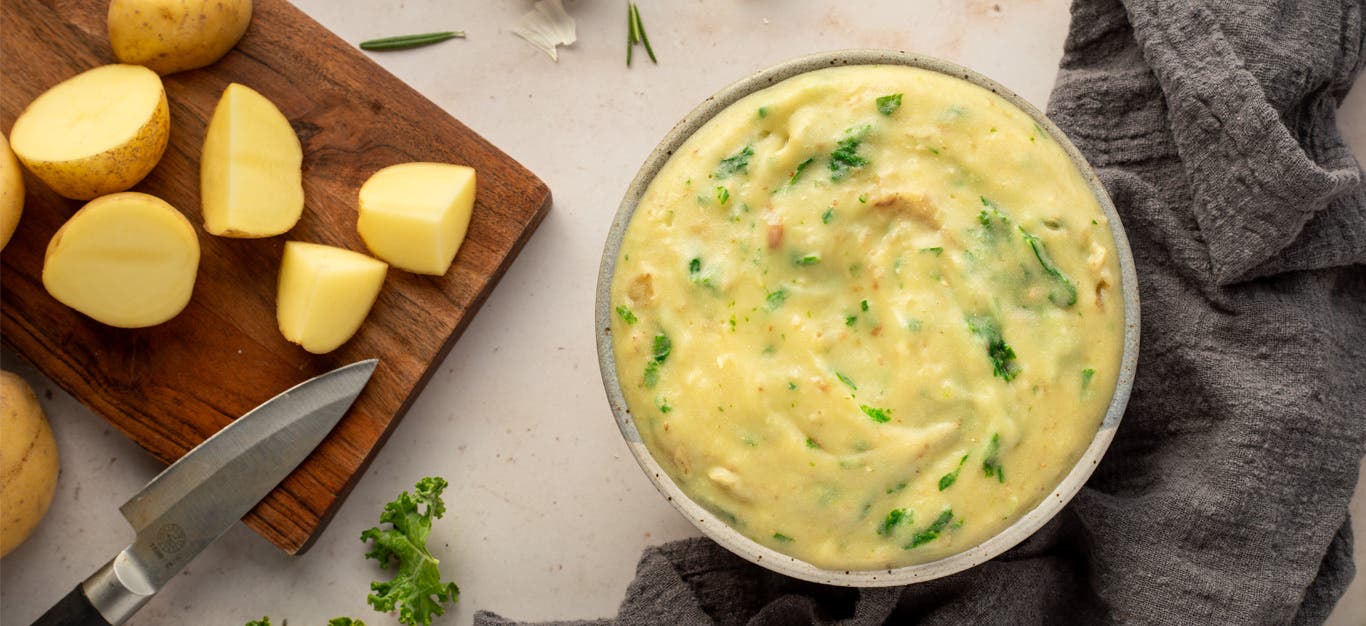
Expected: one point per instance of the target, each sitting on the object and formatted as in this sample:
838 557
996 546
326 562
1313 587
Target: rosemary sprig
410 41
635 33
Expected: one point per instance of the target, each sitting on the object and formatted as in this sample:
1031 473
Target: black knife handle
73 610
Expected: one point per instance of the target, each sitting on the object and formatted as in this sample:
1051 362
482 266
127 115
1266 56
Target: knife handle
73 610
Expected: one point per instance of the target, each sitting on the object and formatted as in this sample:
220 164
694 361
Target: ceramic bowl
712 526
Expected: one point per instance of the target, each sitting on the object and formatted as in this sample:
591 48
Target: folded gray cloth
1224 496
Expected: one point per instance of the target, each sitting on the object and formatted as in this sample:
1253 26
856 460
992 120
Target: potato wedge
11 192
170 36
127 260
325 294
28 462
95 133
251 171
414 215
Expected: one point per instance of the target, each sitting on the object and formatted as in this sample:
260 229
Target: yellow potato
325 293
414 215
127 260
28 462
251 170
95 133
175 35
11 192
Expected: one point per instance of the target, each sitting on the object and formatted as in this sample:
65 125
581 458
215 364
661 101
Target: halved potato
414 215
95 133
325 293
174 35
11 192
126 259
251 171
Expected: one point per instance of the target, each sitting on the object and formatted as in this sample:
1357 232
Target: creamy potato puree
868 316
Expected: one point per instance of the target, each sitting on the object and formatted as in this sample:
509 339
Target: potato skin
171 36
112 171
28 462
11 192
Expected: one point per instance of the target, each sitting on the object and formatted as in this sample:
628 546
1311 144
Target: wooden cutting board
171 386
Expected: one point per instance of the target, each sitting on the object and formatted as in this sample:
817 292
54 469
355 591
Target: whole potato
171 36
28 462
11 192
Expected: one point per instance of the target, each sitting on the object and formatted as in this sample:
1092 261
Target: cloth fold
1224 496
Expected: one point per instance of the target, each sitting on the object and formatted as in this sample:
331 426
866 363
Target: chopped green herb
897 487
948 479
722 195
851 320
828 215
914 325
810 259
895 517
663 346
933 150
735 163
776 299
888 105
984 218
732 322
1086 376
1065 292
846 157
991 464
797 173
791 386
935 250
932 532
1003 363
863 306
781 538
626 315
694 267
410 41
845 379
664 406
763 112
881 416
811 443
651 374
863 198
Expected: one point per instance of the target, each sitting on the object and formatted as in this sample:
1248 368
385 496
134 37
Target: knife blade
199 497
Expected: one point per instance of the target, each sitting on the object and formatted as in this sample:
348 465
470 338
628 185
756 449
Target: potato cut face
325 294
127 260
250 173
90 113
414 215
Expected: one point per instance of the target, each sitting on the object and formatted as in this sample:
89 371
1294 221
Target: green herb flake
776 299
914 325
934 150
694 268
722 195
763 112
781 538
881 416
895 518
664 406
845 158
991 464
662 347
811 443
1086 376
828 215
888 105
863 306
1064 293
797 173
897 487
863 198
948 479
851 320
626 315
937 251
932 531
810 259
735 164
845 379
651 374
1002 356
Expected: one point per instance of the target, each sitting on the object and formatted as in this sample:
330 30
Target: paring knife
199 497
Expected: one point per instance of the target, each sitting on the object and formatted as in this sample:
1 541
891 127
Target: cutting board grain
171 386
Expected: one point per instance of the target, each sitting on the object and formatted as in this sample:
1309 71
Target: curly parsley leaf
888 105
416 589
735 163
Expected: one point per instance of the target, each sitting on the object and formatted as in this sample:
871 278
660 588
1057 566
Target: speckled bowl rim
733 540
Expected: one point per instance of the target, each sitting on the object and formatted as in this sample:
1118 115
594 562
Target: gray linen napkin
1224 496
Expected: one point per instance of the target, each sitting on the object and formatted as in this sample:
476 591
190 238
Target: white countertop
548 512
